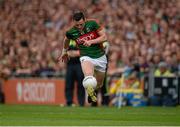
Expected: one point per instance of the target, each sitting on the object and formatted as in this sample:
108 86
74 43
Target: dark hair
78 15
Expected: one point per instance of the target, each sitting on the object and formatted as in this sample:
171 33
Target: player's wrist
64 51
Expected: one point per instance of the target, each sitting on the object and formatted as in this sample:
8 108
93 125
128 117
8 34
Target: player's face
79 24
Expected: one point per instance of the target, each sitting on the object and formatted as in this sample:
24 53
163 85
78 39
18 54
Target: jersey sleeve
95 25
68 35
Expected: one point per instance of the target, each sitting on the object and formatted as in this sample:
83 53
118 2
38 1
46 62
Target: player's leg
104 91
100 70
105 87
88 70
101 86
100 79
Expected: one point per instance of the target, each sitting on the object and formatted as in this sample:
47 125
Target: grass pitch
31 115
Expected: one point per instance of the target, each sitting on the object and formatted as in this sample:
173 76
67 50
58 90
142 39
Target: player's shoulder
70 30
92 21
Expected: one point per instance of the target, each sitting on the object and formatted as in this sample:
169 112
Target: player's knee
100 83
89 80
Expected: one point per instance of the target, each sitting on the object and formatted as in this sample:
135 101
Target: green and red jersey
89 32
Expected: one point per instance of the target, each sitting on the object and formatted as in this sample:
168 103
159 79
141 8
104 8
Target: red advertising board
34 91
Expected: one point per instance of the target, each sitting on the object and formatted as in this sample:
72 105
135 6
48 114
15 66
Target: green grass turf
96 116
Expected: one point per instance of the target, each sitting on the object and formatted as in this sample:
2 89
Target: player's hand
63 58
87 43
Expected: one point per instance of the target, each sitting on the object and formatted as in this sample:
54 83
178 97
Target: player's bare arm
64 55
102 37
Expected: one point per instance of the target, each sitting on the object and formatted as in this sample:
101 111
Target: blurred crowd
141 32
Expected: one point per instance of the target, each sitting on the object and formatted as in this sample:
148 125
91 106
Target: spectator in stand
163 70
155 25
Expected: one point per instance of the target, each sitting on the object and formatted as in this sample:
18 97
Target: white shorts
99 63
